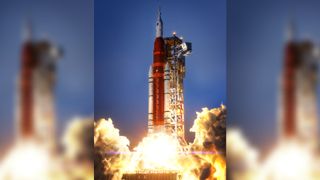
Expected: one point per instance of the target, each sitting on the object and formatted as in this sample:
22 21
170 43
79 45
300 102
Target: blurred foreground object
298 98
35 106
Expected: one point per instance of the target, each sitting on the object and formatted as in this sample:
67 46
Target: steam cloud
241 156
206 155
210 129
32 160
110 149
288 160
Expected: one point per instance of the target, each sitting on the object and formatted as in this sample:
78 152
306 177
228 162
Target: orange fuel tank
158 81
26 90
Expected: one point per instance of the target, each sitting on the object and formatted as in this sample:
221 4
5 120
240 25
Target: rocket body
158 82
298 110
26 90
35 116
289 102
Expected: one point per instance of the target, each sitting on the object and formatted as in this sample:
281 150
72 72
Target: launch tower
166 75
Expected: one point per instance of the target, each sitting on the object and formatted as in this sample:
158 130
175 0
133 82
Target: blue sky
124 37
68 24
256 37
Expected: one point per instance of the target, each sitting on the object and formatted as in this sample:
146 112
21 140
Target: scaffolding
176 50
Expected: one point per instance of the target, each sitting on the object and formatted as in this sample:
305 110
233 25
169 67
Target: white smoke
111 149
288 160
77 139
210 137
32 160
27 160
242 158
77 156
202 159
210 129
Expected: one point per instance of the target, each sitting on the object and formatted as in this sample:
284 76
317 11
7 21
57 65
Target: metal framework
175 69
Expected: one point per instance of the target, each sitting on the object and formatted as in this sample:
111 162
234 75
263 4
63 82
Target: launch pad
152 175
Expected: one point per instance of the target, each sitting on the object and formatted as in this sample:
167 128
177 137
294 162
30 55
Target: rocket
289 98
28 63
166 74
299 86
35 116
158 80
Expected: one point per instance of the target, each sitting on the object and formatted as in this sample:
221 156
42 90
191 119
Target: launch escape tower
166 100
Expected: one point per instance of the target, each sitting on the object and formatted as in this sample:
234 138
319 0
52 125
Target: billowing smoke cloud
78 140
202 159
210 136
26 160
111 150
210 129
288 160
241 156
33 160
